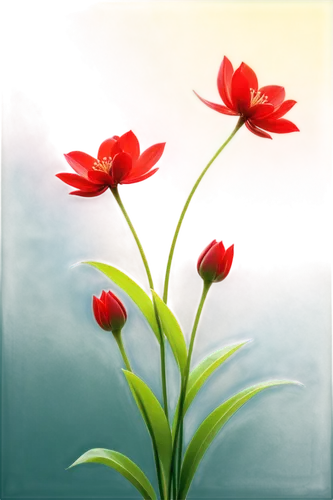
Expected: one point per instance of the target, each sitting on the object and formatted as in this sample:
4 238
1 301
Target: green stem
151 285
117 336
205 290
182 215
178 443
128 220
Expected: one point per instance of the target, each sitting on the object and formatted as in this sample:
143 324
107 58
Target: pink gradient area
153 91
245 295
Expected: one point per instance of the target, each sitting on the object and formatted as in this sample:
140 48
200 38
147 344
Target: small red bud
215 262
109 312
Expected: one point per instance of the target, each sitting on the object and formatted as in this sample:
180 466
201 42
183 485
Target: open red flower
261 108
118 162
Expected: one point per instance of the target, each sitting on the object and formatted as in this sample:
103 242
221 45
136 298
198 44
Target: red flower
215 262
118 162
260 108
109 312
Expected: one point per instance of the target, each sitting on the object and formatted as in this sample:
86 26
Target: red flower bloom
260 108
109 312
118 162
215 262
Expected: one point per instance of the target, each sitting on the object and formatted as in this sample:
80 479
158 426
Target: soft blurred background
76 73
157 52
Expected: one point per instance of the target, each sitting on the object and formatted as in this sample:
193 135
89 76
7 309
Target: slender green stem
205 290
161 483
128 220
182 215
117 336
151 285
178 440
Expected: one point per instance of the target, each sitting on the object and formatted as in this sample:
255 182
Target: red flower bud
215 262
109 312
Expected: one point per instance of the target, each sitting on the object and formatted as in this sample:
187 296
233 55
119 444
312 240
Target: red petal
96 309
217 107
139 179
283 109
280 126
112 305
105 321
211 261
260 110
275 94
116 149
94 305
115 311
130 144
88 194
121 305
80 162
203 253
240 90
252 128
121 167
147 160
77 181
106 149
100 177
224 78
250 76
103 296
227 262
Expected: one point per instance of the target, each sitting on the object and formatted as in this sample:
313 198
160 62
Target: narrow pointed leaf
211 426
122 464
172 331
156 422
133 290
200 374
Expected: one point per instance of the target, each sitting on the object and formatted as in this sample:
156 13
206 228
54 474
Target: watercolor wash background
62 391
61 388
153 54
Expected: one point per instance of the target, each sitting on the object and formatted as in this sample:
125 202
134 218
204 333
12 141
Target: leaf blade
211 426
172 331
122 464
133 290
156 422
201 372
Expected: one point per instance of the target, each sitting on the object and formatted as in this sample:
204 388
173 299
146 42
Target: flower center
103 165
257 98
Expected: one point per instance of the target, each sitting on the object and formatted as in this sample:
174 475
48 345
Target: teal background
62 390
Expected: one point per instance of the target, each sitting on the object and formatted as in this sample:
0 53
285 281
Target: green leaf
211 426
200 374
172 331
157 425
122 464
133 290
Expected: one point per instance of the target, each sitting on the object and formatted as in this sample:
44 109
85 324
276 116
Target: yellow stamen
103 165
257 98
